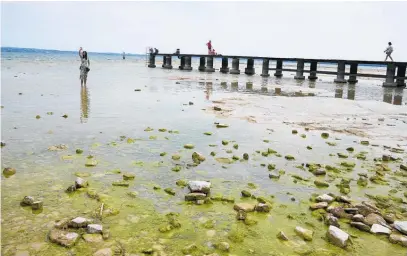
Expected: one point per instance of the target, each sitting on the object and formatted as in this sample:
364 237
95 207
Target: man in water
388 52
124 55
209 44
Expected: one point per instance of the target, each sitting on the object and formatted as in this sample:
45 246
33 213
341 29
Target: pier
395 75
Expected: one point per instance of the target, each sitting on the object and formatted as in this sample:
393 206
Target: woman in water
84 68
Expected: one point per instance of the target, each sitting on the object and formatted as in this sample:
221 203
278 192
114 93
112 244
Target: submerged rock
282 236
91 163
189 249
92 238
246 156
120 183
169 191
71 189
128 176
222 126
337 237
246 193
325 135
321 184
195 196
37 205
27 201
244 207
223 246
241 215
199 186
198 157
189 146
64 238
379 229
289 157
81 183
104 252
95 229
261 207
398 239
364 142
361 226
304 233
8 171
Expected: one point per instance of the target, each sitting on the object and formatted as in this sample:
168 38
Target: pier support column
279 69
300 70
151 62
401 73
340 76
265 69
313 71
249 70
235 67
209 65
225 62
182 65
187 65
390 73
353 73
202 64
167 64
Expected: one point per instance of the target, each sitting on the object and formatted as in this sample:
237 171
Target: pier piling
225 62
401 74
300 70
313 71
265 68
202 64
353 73
151 62
340 76
390 74
235 67
167 62
249 70
209 64
279 69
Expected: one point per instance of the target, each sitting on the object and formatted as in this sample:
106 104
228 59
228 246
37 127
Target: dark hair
85 55
389 43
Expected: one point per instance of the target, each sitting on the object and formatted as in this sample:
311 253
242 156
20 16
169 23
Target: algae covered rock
319 183
222 126
148 129
195 196
341 155
244 207
236 146
189 249
176 168
27 201
91 163
246 193
304 233
176 157
261 207
79 151
120 183
246 156
309 147
169 191
81 183
198 157
181 183
224 160
225 142
364 142
8 171
282 236
189 146
128 176
337 237
64 238
222 246
289 157
325 135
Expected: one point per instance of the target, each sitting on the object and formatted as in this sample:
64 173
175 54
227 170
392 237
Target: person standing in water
84 68
388 52
124 55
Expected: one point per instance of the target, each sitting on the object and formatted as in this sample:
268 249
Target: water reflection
85 103
339 92
393 95
208 91
249 86
351 91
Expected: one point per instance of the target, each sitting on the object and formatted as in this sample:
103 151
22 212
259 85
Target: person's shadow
85 102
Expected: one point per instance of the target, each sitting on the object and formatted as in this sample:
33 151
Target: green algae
331 143
189 146
79 151
148 129
152 137
289 157
325 135
130 141
309 147
225 142
224 160
163 153
162 130
120 183
208 133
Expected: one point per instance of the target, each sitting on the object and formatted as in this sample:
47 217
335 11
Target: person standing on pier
209 44
388 52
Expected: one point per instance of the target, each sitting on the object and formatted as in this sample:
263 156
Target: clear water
108 108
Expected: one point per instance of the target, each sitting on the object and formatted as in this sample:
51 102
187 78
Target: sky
342 30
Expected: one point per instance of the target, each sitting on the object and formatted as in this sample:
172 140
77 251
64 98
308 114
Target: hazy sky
346 30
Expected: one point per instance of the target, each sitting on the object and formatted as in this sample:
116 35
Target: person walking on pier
209 44
388 52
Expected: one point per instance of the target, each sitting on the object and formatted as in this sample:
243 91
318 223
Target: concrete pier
265 68
167 62
209 65
353 73
235 67
202 64
401 73
340 77
206 63
249 70
313 71
390 74
300 70
279 69
151 61
225 62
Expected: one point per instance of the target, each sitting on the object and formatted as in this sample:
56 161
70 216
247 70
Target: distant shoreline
37 50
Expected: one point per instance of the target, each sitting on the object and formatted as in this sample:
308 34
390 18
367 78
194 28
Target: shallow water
108 108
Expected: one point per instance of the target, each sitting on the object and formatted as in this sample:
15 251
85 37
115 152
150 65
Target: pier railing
395 71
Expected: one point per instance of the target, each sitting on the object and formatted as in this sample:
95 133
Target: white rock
325 198
401 226
199 186
337 236
320 205
79 222
104 252
81 183
379 229
95 228
398 239
304 233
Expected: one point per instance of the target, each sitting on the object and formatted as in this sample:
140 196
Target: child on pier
388 52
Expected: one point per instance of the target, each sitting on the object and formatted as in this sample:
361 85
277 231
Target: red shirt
209 44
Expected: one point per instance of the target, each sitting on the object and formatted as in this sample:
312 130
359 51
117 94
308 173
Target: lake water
107 120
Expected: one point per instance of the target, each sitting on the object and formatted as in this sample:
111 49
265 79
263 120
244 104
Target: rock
403 167
104 252
341 155
189 146
189 249
128 176
309 147
331 220
91 163
8 171
322 184
274 175
223 246
92 238
197 157
294 131
365 208
379 229
81 183
27 201
79 222
351 210
199 186
339 212
22 253
350 149
319 172
62 224
262 207
304 233
385 158
289 157
358 218
195 196
37 205
246 193
337 237
120 183
217 108
169 191
401 226
65 116
360 226
282 236
374 218
324 198
325 135
64 238
181 183
398 239
222 126
244 207
344 199
320 205
95 229
106 234
389 217
246 156
57 147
